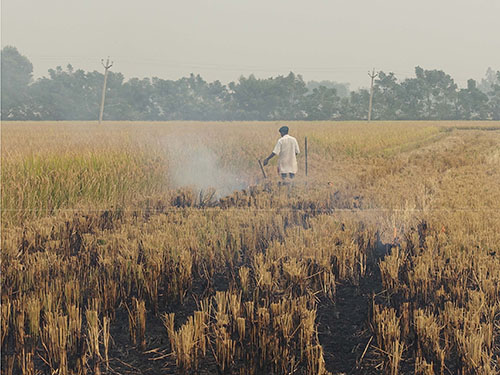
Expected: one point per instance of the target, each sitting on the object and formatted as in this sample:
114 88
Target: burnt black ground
343 328
344 325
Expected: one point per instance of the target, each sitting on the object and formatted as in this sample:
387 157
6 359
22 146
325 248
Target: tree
486 84
412 99
386 97
17 74
69 94
322 104
132 101
278 98
494 99
289 92
439 94
342 89
252 98
356 106
207 100
72 95
472 103
190 98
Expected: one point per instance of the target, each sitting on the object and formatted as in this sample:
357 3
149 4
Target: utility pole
372 75
106 68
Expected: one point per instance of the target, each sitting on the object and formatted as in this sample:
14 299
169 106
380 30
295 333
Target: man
287 148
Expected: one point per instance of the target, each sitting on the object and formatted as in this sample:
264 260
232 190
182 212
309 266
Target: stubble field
159 248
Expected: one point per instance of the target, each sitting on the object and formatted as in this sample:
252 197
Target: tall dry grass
47 166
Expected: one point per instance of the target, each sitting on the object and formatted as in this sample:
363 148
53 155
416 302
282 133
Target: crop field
160 248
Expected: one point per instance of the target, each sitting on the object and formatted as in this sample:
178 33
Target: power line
223 66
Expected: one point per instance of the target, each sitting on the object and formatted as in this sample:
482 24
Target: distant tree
132 101
194 106
356 106
17 74
472 103
412 99
486 84
217 95
289 92
170 98
322 104
386 98
69 94
73 94
190 98
494 99
249 99
342 89
432 95
206 100
267 99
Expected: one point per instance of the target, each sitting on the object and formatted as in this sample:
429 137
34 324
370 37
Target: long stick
262 168
305 149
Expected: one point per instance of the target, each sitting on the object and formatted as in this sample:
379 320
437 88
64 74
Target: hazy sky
222 39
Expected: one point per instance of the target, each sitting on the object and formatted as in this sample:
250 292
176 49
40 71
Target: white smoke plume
194 165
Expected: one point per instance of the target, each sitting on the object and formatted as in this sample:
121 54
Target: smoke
193 164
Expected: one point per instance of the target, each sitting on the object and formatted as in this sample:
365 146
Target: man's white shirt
286 148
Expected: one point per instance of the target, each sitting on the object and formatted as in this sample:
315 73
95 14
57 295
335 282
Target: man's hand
266 160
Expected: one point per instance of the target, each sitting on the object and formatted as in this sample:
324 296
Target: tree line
74 94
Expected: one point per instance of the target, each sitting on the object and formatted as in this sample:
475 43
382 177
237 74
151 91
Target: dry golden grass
95 234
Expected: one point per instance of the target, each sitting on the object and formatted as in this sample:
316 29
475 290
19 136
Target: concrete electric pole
106 68
372 75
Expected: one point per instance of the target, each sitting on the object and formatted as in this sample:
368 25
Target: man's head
283 130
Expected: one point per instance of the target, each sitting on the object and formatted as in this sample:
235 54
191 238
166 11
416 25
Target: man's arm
276 151
266 160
